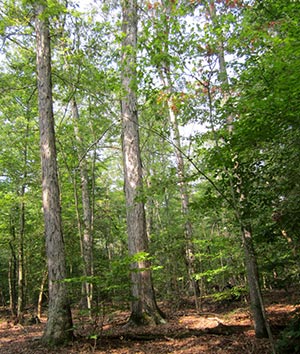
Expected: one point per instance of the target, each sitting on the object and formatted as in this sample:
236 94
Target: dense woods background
208 92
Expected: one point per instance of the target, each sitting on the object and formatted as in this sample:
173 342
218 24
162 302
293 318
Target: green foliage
114 282
230 294
210 274
259 160
289 340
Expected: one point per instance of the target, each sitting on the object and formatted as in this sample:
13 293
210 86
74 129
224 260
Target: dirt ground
218 328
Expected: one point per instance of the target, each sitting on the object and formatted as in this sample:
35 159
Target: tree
59 325
19 171
239 197
181 70
144 308
87 239
268 122
165 69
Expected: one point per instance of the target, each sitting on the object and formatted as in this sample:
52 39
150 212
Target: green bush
289 341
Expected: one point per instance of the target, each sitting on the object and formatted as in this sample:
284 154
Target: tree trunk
165 75
260 322
183 189
20 304
59 326
12 274
144 308
41 292
87 239
257 308
21 270
12 277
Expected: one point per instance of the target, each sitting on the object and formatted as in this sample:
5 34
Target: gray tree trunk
59 325
41 292
257 308
87 238
144 308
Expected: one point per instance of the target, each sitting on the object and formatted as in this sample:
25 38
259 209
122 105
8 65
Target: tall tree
19 165
87 238
21 270
144 308
239 199
59 325
165 69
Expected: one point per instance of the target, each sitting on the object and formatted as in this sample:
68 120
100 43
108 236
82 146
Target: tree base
146 318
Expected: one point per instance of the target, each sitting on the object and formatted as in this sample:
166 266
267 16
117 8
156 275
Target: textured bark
87 238
59 325
258 311
144 307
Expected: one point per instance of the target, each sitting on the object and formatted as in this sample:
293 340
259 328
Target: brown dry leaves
186 332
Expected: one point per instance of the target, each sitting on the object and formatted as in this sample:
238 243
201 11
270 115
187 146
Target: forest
149 176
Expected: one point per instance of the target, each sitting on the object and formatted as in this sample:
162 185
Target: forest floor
219 328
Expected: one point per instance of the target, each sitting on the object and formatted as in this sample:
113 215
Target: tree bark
144 309
260 322
41 292
87 238
59 325
258 310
